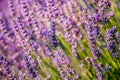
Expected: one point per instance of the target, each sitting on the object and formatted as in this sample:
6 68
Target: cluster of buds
5 68
91 24
30 65
94 49
97 69
111 42
88 60
63 65
104 69
102 7
48 51
53 38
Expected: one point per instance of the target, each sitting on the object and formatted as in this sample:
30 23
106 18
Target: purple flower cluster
91 23
63 65
111 42
88 60
71 34
53 39
5 69
30 65
99 68
48 51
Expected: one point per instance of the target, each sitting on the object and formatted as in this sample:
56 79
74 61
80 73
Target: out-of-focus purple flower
24 8
30 66
99 73
48 51
88 60
6 68
92 40
63 64
107 68
101 66
97 33
100 76
111 42
11 6
53 38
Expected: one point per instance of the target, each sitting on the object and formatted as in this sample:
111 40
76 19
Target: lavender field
59 39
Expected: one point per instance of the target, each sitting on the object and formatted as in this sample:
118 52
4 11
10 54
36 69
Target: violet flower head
111 42
32 71
6 68
88 60
53 38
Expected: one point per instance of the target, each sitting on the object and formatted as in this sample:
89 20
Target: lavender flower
11 6
61 60
6 68
24 8
48 51
88 60
53 38
95 51
32 71
99 73
111 43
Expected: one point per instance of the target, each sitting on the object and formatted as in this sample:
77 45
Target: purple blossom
53 39
95 65
6 68
61 60
111 42
88 60
29 65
